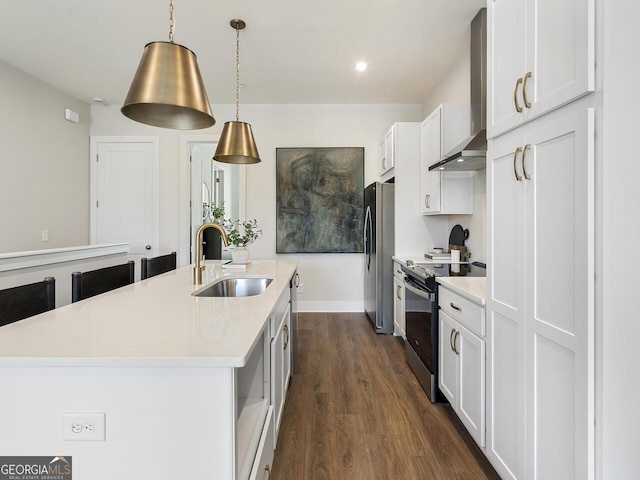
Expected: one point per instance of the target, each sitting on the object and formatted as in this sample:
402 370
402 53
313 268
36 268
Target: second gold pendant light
236 143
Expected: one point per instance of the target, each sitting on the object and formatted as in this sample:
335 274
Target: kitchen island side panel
161 423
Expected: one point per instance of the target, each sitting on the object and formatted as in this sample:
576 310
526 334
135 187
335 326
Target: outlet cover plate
84 427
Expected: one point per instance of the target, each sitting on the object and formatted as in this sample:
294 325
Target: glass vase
240 255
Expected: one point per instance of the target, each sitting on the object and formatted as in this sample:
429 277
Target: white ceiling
292 51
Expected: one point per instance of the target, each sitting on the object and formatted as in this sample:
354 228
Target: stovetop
425 273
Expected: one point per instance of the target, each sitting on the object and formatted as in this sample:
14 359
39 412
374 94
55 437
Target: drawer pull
286 330
527 103
515 159
515 95
454 343
267 469
455 307
524 154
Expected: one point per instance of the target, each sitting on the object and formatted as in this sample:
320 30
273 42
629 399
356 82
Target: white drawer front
469 314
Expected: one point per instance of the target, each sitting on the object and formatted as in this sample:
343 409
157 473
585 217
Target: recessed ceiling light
461 160
361 66
441 168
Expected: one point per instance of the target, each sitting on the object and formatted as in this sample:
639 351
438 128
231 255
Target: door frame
184 253
93 180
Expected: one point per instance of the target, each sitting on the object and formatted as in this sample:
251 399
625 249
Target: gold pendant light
236 143
167 89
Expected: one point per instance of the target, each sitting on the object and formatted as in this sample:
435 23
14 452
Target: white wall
44 179
332 282
619 390
453 88
476 223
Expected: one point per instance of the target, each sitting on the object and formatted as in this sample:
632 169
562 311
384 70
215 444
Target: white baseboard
330 306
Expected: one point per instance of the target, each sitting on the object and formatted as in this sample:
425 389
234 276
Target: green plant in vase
241 234
217 212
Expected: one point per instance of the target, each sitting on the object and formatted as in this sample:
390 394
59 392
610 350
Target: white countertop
472 288
156 322
403 259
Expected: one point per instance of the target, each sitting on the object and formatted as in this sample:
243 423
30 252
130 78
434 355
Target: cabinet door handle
524 153
398 288
286 342
427 201
455 307
527 103
451 340
515 166
454 343
267 469
297 282
515 95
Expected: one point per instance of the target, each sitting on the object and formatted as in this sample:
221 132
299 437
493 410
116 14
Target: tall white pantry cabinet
540 189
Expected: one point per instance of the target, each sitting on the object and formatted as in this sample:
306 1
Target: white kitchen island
183 382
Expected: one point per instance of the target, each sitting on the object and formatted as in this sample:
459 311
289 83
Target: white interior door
124 193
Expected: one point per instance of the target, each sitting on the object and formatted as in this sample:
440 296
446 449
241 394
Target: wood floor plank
356 411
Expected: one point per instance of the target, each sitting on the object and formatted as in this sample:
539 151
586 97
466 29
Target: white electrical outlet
300 288
45 235
83 426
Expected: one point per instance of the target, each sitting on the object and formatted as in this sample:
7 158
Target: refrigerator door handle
367 246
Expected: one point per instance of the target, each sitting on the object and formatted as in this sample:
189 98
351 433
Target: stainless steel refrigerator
379 245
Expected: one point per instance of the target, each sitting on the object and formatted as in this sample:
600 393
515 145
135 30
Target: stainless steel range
421 316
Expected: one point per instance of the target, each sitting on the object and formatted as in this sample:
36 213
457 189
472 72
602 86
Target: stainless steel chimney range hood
471 154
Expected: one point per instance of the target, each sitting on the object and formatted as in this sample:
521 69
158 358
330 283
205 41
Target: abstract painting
319 200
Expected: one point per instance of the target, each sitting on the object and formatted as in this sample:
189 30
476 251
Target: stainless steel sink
235 287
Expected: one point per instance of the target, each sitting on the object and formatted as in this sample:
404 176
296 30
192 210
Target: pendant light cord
237 74
172 22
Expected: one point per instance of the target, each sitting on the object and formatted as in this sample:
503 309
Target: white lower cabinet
252 391
264 460
280 360
272 373
462 361
398 301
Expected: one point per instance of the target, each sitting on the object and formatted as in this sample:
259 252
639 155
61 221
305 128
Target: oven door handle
421 293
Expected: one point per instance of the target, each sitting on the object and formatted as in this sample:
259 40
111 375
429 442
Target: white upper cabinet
387 157
444 192
430 154
540 57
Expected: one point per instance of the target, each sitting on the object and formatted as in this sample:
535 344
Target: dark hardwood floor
355 411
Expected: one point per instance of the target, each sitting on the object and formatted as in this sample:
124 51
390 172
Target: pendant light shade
167 89
237 145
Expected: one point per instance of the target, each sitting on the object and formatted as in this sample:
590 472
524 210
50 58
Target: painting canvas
319 200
